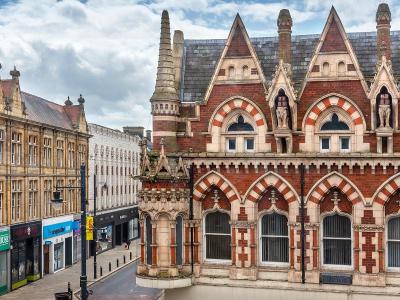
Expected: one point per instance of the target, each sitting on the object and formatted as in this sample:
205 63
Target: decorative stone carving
282 112
384 110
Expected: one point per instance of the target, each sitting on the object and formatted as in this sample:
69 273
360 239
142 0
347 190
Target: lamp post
57 204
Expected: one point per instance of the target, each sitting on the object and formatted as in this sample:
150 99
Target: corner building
245 118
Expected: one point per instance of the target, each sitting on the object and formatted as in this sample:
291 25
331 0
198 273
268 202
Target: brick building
42 145
238 122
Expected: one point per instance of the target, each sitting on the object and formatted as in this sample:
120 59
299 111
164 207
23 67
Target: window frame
321 254
389 269
246 149
228 139
214 260
320 144
260 236
341 137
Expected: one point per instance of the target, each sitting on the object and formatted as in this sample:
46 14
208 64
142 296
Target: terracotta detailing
368 247
356 251
242 243
196 245
381 252
173 246
315 248
252 246
292 248
238 46
233 246
154 247
187 244
242 216
333 40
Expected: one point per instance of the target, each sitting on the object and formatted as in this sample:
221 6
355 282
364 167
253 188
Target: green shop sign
4 239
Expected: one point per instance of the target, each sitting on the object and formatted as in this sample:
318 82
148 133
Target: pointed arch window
336 240
149 239
179 240
274 238
240 125
217 236
334 124
393 243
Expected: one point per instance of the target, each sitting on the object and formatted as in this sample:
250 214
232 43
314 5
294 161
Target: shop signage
89 228
22 232
4 240
53 230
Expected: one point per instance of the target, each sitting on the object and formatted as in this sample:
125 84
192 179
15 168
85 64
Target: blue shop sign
53 230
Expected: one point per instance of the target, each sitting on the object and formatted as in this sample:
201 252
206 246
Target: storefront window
3 270
58 256
18 262
104 238
134 229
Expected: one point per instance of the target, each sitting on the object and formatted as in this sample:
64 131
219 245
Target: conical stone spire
165 83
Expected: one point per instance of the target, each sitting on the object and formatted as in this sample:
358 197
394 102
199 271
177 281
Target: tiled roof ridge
294 37
40 98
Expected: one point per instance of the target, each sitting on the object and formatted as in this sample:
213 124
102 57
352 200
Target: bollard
101 271
117 263
124 259
109 267
130 255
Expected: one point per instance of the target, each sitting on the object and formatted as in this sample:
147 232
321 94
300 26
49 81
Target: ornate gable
334 57
238 63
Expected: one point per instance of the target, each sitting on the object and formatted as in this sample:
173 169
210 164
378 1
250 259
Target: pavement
121 285
45 288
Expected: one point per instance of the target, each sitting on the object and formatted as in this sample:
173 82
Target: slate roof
44 111
201 58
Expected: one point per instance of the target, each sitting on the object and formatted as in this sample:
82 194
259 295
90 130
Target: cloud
107 50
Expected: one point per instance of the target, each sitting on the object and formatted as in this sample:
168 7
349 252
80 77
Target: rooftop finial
15 73
68 102
383 15
165 83
81 100
284 19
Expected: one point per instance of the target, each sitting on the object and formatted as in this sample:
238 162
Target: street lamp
57 203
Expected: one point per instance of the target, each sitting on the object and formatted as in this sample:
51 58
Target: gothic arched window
334 124
336 240
217 236
240 125
274 238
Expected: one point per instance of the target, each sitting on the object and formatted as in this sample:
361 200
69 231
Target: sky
108 49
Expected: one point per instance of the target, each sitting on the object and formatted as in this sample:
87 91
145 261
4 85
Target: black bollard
130 255
124 259
109 267
101 271
117 263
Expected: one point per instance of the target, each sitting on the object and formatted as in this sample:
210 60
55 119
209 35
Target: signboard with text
89 228
4 239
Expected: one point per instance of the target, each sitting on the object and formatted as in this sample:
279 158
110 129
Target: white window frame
245 144
320 144
227 144
213 260
330 266
340 143
389 269
260 236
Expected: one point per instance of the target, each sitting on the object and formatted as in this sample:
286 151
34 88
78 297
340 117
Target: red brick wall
333 39
238 46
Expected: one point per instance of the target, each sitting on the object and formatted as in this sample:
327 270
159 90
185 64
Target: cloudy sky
107 49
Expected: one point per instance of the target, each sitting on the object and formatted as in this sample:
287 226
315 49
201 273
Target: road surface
122 286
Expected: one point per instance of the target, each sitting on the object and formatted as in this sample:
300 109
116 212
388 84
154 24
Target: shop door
125 236
118 234
68 251
46 259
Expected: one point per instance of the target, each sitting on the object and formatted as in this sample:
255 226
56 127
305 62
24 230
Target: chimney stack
177 52
285 23
383 44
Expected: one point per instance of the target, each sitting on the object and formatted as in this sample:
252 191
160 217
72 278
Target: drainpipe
191 183
303 235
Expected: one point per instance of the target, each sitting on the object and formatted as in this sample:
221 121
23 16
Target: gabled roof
201 58
44 111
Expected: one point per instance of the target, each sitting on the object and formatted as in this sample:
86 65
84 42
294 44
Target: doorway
68 251
118 234
125 235
46 259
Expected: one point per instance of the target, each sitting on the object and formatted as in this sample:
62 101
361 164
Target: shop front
4 259
57 243
77 239
25 253
114 228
